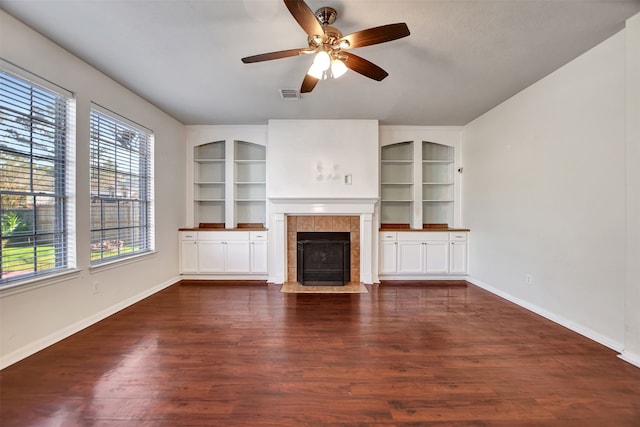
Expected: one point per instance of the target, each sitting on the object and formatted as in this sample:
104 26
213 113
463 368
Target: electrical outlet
529 279
96 287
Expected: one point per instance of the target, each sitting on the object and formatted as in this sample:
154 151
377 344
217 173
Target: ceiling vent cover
289 94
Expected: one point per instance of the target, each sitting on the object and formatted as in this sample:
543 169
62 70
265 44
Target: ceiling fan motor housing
326 15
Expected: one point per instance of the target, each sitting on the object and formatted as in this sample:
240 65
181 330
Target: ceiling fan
330 46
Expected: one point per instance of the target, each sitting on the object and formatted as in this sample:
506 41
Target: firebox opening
323 258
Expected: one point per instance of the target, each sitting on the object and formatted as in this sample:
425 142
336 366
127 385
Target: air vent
289 94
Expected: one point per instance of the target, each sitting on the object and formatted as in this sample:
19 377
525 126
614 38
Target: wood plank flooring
443 354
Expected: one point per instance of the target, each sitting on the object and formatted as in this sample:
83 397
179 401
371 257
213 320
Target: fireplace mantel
333 206
279 208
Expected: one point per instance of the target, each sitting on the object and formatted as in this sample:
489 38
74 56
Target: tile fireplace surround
297 223
293 215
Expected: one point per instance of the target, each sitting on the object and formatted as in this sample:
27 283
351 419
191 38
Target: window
36 127
121 187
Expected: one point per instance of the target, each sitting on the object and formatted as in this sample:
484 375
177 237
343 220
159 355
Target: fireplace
323 258
290 216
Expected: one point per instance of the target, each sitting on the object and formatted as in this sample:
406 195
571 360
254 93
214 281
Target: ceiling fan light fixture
316 71
338 68
322 60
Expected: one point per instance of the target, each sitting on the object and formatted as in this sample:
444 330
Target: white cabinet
223 252
189 252
211 256
408 254
458 252
388 252
258 252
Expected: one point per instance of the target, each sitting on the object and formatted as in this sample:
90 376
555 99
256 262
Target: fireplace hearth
323 258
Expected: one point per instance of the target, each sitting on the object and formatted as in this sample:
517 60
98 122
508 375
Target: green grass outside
22 258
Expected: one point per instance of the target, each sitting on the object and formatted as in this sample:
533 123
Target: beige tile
291 258
341 223
304 223
291 239
291 223
355 223
322 223
291 276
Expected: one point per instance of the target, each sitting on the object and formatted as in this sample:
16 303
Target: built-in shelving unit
250 182
209 182
419 183
437 183
397 183
229 184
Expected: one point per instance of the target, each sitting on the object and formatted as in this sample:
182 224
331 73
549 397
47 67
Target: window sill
35 282
122 261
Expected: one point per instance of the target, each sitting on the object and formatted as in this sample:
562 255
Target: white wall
631 350
37 316
544 194
310 158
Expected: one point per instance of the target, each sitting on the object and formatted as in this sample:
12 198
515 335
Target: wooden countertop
425 227
222 229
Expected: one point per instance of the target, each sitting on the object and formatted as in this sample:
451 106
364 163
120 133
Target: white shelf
397 162
248 162
209 160
438 162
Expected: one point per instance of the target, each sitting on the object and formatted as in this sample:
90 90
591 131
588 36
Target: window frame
111 247
33 147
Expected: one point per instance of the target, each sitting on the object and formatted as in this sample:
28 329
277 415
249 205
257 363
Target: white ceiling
462 58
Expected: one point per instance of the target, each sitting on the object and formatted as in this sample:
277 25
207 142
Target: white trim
106 265
586 332
12 68
261 277
37 281
629 357
396 277
31 348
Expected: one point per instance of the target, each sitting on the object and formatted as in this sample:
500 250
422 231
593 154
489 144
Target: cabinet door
238 257
389 257
436 257
189 256
211 256
410 256
259 257
458 257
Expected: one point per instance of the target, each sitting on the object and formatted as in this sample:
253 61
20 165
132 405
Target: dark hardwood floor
248 355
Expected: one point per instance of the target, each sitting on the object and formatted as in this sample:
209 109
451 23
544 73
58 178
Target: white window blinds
121 156
35 129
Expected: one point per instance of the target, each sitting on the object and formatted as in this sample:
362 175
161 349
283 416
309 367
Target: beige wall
45 311
545 194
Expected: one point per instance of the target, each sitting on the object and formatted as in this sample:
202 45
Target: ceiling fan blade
272 55
364 67
375 35
305 17
308 84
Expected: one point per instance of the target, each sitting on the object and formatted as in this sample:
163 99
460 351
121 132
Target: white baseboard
34 347
629 357
586 332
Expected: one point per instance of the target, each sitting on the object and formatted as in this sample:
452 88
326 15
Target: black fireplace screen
323 258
